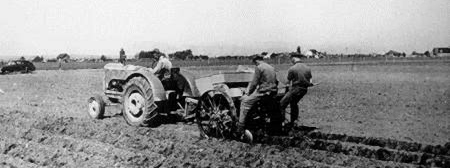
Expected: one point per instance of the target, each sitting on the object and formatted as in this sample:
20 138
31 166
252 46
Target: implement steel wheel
216 115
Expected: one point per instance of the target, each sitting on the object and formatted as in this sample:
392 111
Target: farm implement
213 101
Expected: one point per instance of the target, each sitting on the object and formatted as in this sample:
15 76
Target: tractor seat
268 102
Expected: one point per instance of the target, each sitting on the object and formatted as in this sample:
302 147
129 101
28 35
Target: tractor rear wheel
139 108
96 107
216 115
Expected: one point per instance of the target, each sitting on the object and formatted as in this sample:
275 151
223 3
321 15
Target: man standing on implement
299 79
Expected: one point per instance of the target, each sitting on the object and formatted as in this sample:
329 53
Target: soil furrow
18 129
174 145
371 152
44 155
386 143
10 161
122 136
150 141
91 147
383 154
267 152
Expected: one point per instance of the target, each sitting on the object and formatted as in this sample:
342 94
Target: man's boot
243 134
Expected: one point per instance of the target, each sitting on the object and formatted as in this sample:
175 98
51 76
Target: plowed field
363 115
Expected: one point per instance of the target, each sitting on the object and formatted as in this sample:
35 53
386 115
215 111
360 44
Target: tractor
142 95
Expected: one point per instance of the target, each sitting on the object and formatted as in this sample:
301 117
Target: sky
212 27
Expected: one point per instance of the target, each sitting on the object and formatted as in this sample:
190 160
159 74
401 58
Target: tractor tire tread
145 87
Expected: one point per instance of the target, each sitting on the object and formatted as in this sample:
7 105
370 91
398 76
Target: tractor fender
157 88
190 88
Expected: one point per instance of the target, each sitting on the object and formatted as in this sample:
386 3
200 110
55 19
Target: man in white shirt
162 68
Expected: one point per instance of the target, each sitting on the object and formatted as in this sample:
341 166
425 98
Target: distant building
416 54
64 57
441 52
313 53
51 60
267 56
393 53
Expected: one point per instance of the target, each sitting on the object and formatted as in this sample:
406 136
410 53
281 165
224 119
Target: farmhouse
441 52
313 53
416 54
393 53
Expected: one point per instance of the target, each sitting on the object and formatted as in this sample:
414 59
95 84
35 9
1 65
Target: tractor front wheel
96 107
139 108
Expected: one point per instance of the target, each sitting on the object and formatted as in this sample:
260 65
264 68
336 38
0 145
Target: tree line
188 55
179 55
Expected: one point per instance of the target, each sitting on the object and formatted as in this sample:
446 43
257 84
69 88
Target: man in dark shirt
299 79
264 83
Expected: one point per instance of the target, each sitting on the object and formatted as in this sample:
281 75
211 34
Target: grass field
368 114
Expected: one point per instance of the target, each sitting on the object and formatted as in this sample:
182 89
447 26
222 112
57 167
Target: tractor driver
162 68
264 83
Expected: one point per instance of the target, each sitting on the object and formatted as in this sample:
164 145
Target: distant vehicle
441 52
18 66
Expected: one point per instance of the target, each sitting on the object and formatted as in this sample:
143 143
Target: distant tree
103 58
273 56
38 59
149 54
182 55
22 58
403 54
296 54
144 54
51 60
64 57
204 57
427 53
252 56
221 57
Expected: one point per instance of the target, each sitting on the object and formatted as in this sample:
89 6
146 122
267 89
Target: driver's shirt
163 63
264 80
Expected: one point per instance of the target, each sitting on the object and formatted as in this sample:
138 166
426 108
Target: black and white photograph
224 83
